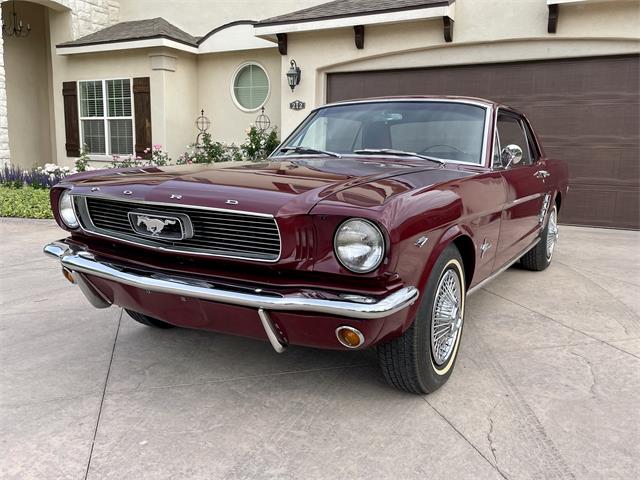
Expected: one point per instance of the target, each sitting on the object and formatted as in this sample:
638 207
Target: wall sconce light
293 75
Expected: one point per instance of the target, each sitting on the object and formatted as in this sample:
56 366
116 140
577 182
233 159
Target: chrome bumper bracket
270 330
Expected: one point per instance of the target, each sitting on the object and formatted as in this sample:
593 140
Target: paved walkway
547 385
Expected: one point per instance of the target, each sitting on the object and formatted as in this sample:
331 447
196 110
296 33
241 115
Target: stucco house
117 76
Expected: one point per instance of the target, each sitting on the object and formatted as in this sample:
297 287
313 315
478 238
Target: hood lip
167 204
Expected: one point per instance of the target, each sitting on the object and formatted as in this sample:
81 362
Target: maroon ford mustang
368 226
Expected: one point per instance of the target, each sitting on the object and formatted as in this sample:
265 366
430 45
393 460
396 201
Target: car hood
287 187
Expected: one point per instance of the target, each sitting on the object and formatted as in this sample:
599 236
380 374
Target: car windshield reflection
451 131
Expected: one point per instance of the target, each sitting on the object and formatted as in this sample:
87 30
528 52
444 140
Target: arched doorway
27 117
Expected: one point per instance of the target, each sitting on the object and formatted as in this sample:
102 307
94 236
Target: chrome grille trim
218 232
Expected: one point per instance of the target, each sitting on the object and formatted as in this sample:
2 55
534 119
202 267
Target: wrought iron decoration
202 124
263 122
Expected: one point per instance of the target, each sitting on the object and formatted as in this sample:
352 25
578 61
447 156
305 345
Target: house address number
297 105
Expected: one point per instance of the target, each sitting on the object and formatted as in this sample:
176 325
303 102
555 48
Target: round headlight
67 214
359 245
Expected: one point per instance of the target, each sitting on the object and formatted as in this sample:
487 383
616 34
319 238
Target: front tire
540 256
421 360
148 321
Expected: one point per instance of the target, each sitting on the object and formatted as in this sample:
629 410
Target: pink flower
146 150
157 146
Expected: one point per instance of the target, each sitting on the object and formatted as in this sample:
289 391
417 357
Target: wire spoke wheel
446 317
552 233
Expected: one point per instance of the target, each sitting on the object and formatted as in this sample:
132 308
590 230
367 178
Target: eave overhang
234 36
125 45
277 31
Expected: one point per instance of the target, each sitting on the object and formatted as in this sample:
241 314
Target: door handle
542 174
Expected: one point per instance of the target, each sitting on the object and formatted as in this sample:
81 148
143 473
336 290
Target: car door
520 224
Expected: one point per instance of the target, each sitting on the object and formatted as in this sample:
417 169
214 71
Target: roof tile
347 8
135 30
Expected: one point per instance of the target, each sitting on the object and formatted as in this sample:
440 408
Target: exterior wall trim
126 45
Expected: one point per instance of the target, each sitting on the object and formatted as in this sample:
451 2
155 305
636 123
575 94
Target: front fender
448 236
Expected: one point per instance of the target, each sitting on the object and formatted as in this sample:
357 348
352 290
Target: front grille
215 232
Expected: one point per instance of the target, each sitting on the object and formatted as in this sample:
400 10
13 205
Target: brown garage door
585 110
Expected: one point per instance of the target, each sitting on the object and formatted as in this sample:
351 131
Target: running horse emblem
154 225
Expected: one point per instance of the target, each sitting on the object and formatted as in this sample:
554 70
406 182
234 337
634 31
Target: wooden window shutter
142 112
71 121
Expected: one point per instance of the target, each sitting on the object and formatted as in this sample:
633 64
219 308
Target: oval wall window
250 88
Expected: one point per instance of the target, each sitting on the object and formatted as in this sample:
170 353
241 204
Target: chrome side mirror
511 155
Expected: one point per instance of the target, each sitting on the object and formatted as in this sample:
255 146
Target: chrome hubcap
552 233
446 319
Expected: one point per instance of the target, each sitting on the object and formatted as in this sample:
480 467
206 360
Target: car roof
450 98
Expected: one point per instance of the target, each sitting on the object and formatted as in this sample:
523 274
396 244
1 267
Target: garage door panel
602 206
586 112
602 167
617 121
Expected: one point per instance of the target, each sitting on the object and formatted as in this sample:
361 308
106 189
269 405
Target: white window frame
107 157
233 81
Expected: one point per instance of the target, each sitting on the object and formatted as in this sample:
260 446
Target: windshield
442 130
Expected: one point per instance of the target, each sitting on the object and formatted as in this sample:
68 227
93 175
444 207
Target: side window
496 162
535 153
511 133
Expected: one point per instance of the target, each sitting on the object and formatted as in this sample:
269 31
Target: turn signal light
349 337
68 275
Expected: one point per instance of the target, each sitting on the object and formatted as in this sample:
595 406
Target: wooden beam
282 43
358 31
448 29
554 13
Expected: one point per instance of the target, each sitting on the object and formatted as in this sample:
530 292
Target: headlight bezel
63 197
383 239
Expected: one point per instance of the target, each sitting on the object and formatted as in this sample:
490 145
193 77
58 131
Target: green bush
25 202
259 144
210 151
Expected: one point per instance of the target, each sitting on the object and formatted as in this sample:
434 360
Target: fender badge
177 197
128 192
486 245
231 202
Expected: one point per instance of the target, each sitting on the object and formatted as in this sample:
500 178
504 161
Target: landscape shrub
25 202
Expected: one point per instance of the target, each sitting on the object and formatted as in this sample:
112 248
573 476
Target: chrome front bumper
79 262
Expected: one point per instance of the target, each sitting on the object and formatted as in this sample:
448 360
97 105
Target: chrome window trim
521 120
485 105
86 217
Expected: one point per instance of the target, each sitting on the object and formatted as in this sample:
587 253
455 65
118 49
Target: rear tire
540 256
421 360
148 321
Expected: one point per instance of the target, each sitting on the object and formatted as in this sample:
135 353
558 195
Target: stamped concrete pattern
547 385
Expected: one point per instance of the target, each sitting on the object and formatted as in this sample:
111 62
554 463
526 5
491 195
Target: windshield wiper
310 150
398 153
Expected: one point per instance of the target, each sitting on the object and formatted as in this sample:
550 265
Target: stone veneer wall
87 16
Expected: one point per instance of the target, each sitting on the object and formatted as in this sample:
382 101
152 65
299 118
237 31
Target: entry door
520 223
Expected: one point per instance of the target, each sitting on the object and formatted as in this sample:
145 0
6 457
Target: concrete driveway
547 385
